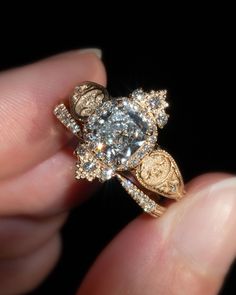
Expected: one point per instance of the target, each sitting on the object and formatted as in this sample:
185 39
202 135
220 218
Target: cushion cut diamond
117 133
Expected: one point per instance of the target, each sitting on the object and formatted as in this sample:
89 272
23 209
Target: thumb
187 251
203 232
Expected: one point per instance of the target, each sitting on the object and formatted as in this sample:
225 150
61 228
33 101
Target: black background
190 53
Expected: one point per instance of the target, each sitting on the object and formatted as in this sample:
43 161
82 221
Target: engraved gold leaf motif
86 98
159 173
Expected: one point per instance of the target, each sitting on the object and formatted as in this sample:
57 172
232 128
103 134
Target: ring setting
117 137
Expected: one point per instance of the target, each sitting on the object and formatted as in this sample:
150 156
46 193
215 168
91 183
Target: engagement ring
117 137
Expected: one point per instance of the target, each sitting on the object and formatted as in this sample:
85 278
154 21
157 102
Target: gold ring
118 138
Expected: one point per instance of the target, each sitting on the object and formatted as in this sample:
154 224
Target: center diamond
117 131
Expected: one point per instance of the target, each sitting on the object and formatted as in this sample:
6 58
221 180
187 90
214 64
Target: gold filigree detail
159 173
86 99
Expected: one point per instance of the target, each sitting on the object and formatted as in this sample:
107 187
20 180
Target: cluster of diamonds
147 204
154 102
120 133
89 167
66 119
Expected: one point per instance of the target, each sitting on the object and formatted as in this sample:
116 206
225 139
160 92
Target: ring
117 137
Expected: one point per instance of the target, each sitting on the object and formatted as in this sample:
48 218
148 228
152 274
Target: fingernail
96 51
205 232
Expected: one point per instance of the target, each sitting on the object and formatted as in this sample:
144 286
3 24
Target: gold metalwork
86 98
154 169
159 173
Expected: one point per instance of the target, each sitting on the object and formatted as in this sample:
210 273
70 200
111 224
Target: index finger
29 131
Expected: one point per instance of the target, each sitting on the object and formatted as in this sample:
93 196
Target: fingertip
94 50
204 180
30 132
203 228
182 250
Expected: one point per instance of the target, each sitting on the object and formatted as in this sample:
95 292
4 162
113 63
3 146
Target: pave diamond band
66 119
118 138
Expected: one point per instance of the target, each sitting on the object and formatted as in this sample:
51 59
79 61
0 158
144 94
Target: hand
37 185
187 251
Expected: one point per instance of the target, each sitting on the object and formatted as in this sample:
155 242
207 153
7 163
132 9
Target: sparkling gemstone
81 150
118 133
149 206
162 119
89 166
138 94
106 174
154 102
126 183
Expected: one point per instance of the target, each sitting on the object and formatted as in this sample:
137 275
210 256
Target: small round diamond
138 94
106 174
81 150
162 119
154 102
89 166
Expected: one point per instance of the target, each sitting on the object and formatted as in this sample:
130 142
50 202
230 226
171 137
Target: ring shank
149 205
147 199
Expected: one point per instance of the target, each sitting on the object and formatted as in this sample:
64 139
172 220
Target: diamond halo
120 133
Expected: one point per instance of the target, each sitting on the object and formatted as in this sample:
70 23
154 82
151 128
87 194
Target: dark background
190 53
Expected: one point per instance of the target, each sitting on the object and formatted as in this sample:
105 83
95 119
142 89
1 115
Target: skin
190 248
